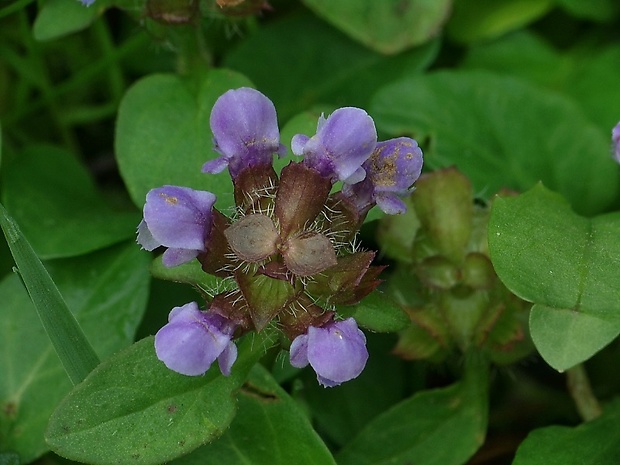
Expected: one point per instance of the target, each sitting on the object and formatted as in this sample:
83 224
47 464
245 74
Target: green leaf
419 429
472 122
341 413
68 339
270 429
586 73
9 459
597 10
388 27
107 292
474 20
566 264
57 205
134 410
189 273
377 312
163 135
266 57
58 18
594 442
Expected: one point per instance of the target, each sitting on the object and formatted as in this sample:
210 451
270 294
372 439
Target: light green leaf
594 442
566 264
389 26
163 135
107 292
419 429
270 58
58 207
58 18
118 414
270 429
474 20
473 122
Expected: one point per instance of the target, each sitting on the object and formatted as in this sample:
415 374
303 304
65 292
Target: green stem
115 73
17 6
44 82
581 392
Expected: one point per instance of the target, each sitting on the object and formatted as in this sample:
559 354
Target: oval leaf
388 27
163 135
418 429
594 442
270 429
566 264
56 204
107 292
118 413
473 123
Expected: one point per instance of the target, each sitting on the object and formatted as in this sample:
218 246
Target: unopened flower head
288 252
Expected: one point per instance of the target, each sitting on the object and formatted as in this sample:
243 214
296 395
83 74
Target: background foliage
100 104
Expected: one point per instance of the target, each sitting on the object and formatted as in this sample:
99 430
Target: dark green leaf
107 292
120 413
472 121
377 312
163 135
388 26
68 339
566 264
58 18
270 429
419 429
587 74
595 442
474 20
57 205
597 10
342 412
271 59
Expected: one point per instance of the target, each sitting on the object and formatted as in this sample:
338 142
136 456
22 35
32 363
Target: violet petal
343 142
192 340
245 130
179 217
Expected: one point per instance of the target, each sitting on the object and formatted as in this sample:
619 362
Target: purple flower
615 138
391 171
342 143
192 340
178 218
245 131
87 2
336 351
